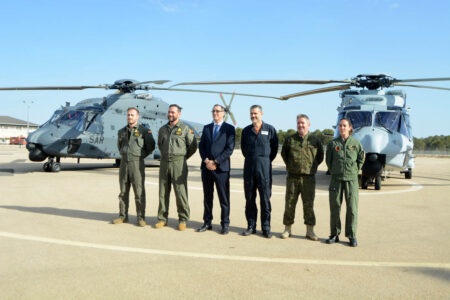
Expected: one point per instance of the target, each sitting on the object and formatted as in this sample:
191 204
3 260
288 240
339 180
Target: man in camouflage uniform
177 143
302 154
135 142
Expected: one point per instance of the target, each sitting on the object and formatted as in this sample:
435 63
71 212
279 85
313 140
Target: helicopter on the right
379 116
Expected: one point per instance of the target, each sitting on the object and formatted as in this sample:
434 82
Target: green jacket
176 142
302 155
344 158
135 144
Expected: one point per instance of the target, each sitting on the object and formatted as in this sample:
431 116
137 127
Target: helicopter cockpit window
359 118
93 123
55 117
73 118
388 120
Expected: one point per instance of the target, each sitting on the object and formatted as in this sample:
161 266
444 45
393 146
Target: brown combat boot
142 223
160 224
181 226
120 220
287 232
310 233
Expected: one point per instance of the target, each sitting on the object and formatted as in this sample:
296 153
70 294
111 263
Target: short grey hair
303 116
256 106
221 106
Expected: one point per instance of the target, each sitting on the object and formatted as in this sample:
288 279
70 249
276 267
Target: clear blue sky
95 42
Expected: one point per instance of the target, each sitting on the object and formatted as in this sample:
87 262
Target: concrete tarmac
57 240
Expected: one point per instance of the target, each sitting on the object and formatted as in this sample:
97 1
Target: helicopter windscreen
53 118
389 120
73 118
359 118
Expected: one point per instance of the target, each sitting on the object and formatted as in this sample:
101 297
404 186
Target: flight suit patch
338 148
178 132
136 133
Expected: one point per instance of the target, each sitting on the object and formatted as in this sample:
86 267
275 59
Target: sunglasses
216 111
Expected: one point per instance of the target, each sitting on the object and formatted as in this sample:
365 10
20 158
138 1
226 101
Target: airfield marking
413 188
228 257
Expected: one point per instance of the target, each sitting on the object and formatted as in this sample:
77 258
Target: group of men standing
301 152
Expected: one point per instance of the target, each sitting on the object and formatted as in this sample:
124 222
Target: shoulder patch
191 131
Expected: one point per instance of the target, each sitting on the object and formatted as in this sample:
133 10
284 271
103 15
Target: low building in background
15 129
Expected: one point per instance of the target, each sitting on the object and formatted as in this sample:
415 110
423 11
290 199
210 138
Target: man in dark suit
216 147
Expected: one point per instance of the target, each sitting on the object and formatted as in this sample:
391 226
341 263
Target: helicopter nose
42 136
376 140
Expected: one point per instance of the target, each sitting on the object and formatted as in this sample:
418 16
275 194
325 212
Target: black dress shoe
224 230
267 234
249 231
332 239
353 242
204 228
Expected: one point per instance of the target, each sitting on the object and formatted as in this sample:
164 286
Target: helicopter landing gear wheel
46 167
55 167
408 174
52 165
364 182
378 183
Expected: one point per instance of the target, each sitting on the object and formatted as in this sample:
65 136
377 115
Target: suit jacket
220 149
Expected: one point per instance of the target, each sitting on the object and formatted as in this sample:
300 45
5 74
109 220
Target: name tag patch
264 132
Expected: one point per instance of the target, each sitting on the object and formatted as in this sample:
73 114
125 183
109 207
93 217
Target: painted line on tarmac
226 257
413 188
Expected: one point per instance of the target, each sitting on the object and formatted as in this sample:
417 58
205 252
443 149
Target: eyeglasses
216 111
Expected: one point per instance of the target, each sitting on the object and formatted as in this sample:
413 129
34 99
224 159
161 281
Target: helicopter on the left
89 128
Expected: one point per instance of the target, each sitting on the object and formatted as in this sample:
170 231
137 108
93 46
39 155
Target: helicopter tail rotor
228 108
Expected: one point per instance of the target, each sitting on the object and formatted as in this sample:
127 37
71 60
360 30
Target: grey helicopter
89 128
380 118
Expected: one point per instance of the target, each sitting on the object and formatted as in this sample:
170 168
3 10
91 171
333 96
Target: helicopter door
74 145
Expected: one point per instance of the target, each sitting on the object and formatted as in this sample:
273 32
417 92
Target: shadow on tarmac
108 217
442 274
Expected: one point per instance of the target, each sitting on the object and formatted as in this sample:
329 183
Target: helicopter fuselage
89 128
381 123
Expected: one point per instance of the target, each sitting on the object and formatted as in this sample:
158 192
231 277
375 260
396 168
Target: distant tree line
433 143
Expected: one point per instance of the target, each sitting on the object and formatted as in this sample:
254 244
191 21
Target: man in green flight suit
177 143
135 142
302 153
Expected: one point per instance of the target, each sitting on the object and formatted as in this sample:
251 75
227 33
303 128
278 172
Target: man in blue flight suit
216 147
259 145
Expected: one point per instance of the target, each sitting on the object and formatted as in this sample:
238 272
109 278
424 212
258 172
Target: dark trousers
222 181
264 187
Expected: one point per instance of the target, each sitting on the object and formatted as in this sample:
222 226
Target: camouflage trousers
132 173
339 189
306 187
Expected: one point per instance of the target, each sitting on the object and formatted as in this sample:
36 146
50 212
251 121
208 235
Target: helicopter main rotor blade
151 81
37 88
423 79
264 82
211 92
423 86
317 91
